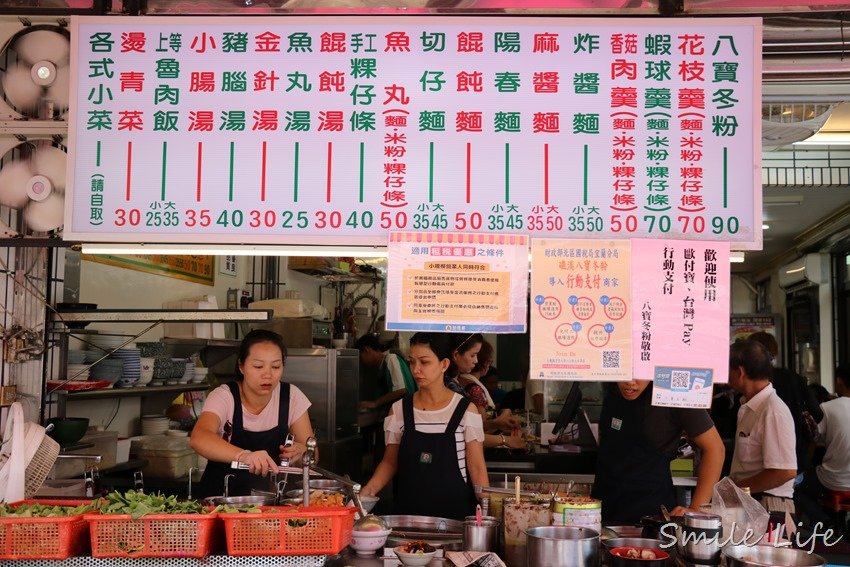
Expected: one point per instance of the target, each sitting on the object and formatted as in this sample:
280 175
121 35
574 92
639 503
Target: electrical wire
117 407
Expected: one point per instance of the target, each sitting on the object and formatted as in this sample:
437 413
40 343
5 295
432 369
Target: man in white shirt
834 472
765 458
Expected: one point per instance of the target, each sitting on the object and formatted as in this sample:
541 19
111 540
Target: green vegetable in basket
139 504
225 509
43 510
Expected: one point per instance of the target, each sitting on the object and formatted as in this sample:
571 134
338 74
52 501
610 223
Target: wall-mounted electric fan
37 70
32 181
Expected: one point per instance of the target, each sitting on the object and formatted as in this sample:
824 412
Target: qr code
610 359
680 380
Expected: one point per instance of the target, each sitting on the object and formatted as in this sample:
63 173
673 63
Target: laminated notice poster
581 310
472 283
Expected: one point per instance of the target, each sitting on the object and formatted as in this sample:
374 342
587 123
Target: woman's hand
293 452
516 441
368 491
259 462
506 421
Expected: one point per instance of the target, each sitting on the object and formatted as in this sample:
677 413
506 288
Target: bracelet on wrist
504 442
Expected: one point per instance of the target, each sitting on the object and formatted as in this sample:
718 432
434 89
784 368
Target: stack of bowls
154 424
188 372
129 357
78 372
107 369
200 374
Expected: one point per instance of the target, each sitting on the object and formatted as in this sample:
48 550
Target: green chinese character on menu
656 98
506 42
297 120
585 123
101 42
232 120
724 125
658 44
167 69
234 42
298 80
506 122
585 42
99 120
166 93
234 81
432 120
507 82
586 83
432 81
362 121
101 68
362 95
433 41
658 70
723 98
725 71
364 67
300 42
165 121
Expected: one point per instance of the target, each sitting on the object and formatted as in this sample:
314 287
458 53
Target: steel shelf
140 392
154 315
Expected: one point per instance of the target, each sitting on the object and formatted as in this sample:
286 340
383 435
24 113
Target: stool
838 502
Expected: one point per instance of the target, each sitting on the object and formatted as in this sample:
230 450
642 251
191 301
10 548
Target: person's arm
384 473
507 441
767 479
207 442
384 400
476 467
710 467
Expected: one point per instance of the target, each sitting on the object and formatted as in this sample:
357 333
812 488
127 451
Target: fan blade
6 231
20 89
13 184
50 162
43 45
59 91
42 216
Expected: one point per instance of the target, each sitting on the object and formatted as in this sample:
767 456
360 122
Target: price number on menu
653 224
502 222
549 223
425 221
153 218
585 224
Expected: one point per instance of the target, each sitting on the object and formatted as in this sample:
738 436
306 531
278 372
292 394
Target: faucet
308 459
227 478
139 481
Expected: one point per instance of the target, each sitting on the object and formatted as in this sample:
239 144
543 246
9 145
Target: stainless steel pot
562 546
444 532
323 484
239 501
698 538
767 555
633 542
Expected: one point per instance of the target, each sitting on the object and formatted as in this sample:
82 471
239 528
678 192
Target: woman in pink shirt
248 420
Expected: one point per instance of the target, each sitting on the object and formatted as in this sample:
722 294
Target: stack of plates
154 424
106 343
78 372
76 356
132 365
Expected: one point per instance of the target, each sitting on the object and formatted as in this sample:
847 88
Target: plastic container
167 456
578 511
154 535
44 538
289 531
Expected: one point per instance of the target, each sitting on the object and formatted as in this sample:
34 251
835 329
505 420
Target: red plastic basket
44 538
153 535
315 530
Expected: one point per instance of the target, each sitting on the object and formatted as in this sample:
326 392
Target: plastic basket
315 530
153 535
44 538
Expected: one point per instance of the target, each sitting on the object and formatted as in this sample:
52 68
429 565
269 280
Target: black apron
429 481
212 481
633 478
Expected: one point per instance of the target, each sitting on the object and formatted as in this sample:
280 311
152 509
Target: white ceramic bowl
413 559
367 543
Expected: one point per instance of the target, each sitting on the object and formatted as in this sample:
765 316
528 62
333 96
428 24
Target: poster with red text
581 310
681 301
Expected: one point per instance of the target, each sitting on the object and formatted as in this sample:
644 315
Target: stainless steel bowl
239 501
769 556
322 484
562 546
442 532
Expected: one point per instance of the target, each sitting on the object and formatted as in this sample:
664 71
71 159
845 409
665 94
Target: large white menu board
331 129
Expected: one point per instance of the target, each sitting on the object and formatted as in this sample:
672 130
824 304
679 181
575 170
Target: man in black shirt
637 441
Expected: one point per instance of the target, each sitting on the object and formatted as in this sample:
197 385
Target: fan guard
36 80
784 124
32 181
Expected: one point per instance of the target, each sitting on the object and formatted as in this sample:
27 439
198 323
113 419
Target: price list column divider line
507 172
362 160
330 163
431 172
129 169
200 171
468 172
546 174
164 170
585 175
230 181
295 176
263 173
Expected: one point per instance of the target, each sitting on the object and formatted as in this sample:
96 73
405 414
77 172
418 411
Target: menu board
344 129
